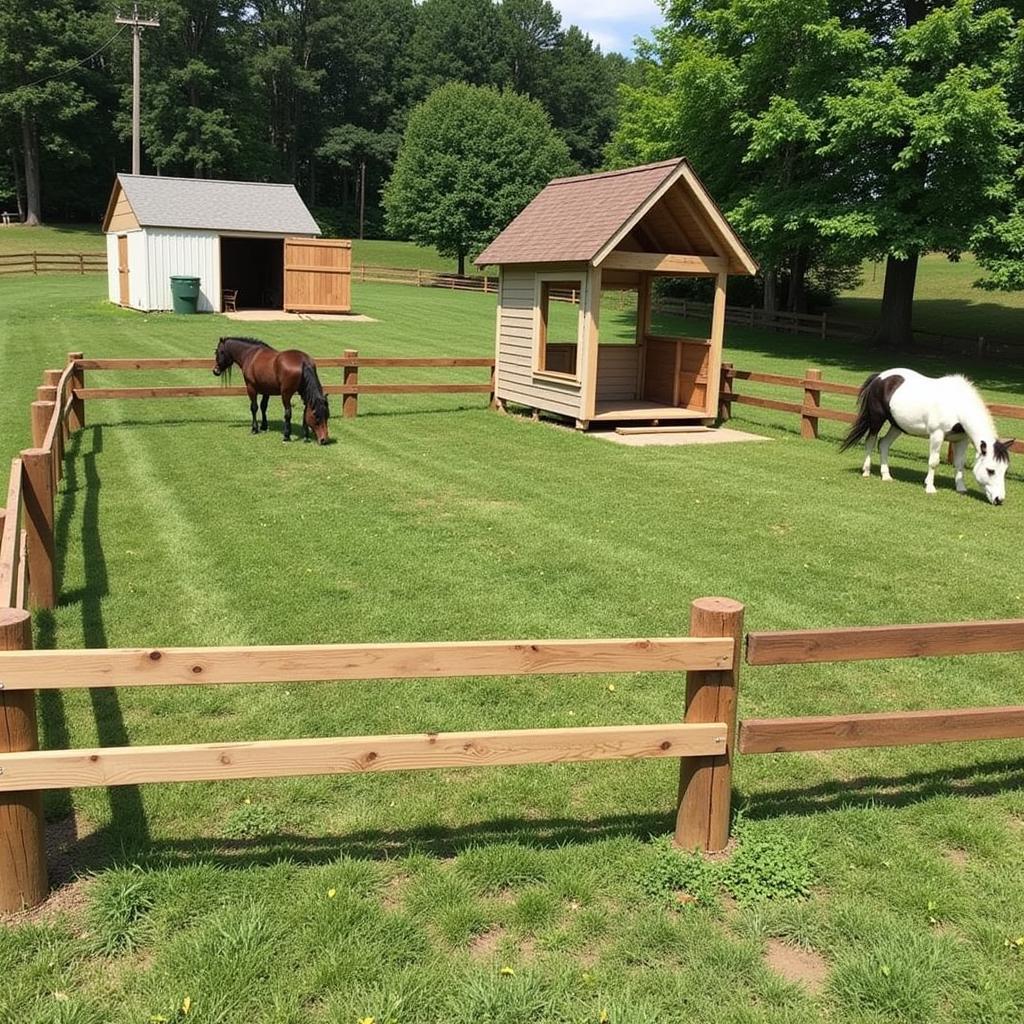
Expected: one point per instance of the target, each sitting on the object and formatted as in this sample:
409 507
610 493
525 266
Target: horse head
316 416
990 469
222 359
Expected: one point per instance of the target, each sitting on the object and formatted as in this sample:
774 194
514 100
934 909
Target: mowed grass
540 893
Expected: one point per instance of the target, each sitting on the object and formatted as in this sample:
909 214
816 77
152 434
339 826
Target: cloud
611 23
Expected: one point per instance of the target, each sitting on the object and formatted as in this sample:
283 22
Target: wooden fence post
35 263
38 497
824 325
705 783
350 378
725 392
812 400
77 419
41 413
492 402
51 378
23 881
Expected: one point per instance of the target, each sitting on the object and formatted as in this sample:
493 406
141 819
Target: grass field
892 877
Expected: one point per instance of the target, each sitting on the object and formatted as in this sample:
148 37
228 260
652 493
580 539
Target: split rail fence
53 262
706 741
810 409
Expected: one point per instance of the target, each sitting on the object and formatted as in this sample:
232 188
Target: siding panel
183 252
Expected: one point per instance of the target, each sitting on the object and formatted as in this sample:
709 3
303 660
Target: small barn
585 235
253 245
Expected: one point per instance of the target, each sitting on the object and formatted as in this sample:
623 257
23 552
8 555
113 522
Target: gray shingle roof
208 205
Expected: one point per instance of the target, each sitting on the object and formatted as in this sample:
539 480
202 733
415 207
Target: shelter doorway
254 268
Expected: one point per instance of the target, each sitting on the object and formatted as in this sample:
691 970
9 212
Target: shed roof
583 218
209 205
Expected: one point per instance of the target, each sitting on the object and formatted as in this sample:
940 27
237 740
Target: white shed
253 242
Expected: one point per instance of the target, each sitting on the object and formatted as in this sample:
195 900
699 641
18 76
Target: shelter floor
717 435
281 315
637 409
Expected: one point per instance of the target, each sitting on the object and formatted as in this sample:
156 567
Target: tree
924 140
471 159
40 50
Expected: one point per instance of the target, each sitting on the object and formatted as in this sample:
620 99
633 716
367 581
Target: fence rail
52 262
809 409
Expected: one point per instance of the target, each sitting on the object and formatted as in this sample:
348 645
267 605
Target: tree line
317 92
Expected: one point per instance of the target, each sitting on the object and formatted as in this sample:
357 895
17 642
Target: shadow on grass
126 806
869 791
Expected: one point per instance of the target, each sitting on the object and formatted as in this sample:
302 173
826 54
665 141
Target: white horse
943 408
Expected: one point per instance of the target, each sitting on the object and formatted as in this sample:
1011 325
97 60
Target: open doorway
254 268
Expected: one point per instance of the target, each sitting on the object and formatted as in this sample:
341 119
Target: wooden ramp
637 437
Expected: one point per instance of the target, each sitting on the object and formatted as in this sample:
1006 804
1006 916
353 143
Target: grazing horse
269 372
943 408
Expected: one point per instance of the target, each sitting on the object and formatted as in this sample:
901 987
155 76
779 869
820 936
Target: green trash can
184 293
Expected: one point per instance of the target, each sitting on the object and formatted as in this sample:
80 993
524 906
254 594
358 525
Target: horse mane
312 393
979 408
247 341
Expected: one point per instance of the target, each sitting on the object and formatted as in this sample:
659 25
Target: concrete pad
280 316
717 435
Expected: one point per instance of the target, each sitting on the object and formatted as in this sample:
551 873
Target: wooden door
318 275
122 269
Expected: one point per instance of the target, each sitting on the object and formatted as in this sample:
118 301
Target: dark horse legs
263 409
252 408
287 400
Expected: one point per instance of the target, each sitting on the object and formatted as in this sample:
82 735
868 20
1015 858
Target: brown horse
269 372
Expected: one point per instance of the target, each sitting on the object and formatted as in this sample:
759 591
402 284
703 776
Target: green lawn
538 893
944 300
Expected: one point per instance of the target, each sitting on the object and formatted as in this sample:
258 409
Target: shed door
122 269
318 275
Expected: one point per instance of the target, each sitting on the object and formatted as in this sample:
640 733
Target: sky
612 23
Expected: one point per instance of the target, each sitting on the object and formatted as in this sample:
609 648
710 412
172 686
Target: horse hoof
286 439
866 475
931 490
264 427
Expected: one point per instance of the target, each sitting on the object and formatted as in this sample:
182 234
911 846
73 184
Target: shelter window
559 326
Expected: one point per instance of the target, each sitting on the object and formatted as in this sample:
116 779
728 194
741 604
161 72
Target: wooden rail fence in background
53 262
810 408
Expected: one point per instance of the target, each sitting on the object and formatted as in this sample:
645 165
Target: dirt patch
958 858
67 889
798 965
485 945
391 892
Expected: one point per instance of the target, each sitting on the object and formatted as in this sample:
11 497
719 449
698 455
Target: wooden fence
350 388
810 409
706 742
53 262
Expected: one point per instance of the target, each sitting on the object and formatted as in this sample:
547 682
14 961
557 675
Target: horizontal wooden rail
331 361
215 391
863 643
766 403
59 411
75 669
120 766
887 729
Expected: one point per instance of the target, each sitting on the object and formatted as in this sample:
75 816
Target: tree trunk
462 263
771 290
33 199
896 326
798 281
17 184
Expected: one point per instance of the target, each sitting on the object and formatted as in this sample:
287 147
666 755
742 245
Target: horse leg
884 445
252 406
959 458
869 448
264 401
935 440
286 400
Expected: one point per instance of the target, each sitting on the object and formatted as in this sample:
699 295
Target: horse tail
311 390
865 423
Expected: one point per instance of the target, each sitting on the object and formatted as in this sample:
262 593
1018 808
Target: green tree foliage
317 92
832 131
471 159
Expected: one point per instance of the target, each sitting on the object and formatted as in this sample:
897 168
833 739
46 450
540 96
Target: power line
75 67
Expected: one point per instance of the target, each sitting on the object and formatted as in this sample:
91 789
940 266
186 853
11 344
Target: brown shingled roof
573 219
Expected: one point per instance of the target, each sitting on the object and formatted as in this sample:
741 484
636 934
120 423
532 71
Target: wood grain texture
887 729
864 643
705 783
74 669
23 876
10 529
37 495
118 766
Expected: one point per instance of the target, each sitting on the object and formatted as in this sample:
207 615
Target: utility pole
362 196
137 24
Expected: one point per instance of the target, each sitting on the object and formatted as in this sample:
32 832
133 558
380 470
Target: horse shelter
614 230
253 245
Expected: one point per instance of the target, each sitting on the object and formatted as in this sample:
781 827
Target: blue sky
612 23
